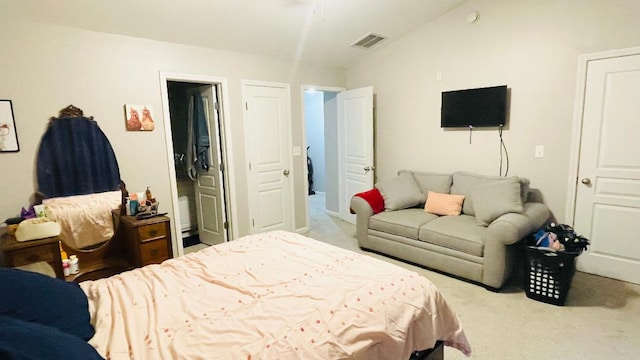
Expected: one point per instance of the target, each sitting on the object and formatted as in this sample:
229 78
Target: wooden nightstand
149 240
17 253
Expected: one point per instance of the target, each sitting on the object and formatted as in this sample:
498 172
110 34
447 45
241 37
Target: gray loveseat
478 245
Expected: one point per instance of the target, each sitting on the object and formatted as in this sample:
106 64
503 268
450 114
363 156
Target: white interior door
608 192
355 142
267 125
208 187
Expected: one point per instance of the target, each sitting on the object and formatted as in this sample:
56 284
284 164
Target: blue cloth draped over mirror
75 158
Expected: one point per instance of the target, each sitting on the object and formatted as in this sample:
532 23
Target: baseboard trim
332 213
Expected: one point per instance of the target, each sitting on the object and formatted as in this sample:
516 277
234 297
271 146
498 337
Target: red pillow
374 198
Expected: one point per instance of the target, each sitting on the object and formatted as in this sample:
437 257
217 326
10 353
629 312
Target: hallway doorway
321 136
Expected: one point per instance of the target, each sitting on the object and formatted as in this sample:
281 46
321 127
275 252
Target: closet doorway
197 148
321 137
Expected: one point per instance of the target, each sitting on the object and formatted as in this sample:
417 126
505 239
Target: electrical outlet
539 153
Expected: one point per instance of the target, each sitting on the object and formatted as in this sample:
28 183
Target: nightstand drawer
149 240
152 232
31 255
154 252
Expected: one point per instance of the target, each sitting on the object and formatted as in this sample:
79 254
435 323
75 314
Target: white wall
530 45
332 198
45 68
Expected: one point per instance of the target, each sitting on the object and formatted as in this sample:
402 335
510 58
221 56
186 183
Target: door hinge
253 222
221 167
216 106
246 106
249 166
226 225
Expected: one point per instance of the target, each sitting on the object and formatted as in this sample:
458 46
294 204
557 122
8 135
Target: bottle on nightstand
74 267
65 267
63 254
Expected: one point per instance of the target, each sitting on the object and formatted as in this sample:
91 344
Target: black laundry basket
548 274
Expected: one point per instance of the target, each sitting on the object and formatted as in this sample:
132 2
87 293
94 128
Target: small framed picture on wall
139 117
8 134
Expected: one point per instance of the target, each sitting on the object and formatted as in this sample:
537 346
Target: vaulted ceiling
313 31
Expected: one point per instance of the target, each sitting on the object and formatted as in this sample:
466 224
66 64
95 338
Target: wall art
8 134
139 117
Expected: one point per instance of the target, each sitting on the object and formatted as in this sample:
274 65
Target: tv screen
482 107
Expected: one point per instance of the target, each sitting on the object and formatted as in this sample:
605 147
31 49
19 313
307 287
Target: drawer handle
153 232
33 258
154 252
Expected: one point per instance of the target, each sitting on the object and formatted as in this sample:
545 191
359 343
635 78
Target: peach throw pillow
443 204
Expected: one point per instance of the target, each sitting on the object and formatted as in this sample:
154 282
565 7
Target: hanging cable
506 154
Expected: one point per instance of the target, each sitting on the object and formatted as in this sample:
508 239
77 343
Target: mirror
79 183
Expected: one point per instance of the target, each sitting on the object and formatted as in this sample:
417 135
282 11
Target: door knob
285 172
586 181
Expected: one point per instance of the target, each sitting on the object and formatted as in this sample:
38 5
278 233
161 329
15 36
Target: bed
277 295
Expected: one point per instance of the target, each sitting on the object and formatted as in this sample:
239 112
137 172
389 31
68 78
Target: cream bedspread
84 220
277 295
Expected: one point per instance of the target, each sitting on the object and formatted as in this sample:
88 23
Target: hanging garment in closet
198 138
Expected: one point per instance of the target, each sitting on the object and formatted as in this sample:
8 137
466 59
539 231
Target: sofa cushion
401 222
496 198
464 182
443 204
401 192
430 181
461 233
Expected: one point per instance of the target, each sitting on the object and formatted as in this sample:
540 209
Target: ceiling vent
368 41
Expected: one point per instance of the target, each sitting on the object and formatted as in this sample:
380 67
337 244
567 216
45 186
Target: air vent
368 41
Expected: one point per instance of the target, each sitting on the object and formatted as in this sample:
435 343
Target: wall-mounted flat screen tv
482 107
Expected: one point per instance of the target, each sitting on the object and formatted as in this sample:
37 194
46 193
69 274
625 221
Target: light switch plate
539 153
297 151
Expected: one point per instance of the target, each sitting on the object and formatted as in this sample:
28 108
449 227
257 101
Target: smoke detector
472 17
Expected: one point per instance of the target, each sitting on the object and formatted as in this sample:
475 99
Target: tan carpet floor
600 319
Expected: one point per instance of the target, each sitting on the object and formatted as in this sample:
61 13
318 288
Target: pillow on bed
24 340
37 298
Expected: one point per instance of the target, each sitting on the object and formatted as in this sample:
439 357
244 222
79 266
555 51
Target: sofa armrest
510 228
363 212
506 230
